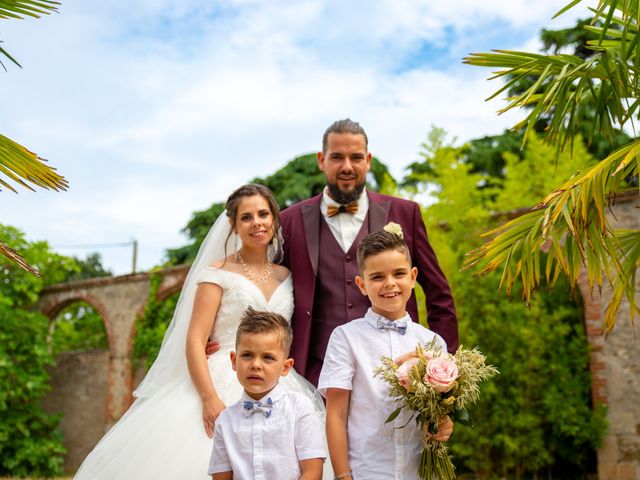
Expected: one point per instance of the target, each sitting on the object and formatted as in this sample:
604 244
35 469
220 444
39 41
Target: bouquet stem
435 462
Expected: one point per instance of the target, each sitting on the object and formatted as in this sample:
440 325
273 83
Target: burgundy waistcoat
337 297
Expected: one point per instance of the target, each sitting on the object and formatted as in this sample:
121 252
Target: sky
154 109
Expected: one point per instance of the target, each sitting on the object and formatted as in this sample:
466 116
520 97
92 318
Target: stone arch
118 300
52 309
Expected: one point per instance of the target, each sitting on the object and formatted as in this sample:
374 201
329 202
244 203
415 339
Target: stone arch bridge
105 380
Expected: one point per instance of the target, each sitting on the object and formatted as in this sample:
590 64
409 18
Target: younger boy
361 445
270 433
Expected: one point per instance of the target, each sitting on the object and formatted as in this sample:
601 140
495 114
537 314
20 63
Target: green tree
30 442
484 155
572 217
77 327
16 162
539 170
89 267
535 417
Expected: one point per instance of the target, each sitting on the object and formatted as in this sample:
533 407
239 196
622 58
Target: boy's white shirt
264 448
376 449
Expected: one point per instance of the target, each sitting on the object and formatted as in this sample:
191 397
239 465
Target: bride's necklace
256 278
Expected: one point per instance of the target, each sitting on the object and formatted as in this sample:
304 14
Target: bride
166 434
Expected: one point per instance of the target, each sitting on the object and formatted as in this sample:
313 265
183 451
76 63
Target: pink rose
441 373
403 373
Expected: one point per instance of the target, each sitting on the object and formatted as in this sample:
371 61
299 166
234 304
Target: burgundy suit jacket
301 232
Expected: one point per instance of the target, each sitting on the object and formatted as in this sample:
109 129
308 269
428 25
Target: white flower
394 228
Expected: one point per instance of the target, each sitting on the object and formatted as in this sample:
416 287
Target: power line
103 245
133 243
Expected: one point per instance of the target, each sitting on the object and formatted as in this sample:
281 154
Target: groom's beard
344 198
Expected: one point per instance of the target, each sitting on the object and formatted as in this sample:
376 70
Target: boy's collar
372 318
275 395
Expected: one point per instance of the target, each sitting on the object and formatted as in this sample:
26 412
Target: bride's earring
235 243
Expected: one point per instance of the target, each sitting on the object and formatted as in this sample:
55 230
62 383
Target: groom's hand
211 347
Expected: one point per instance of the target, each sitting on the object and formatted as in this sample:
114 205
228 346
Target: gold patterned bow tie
351 208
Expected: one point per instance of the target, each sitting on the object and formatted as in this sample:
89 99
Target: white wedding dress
162 437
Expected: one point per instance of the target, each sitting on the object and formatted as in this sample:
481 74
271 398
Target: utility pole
135 254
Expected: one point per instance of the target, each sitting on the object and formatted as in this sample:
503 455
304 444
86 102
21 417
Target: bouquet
433 385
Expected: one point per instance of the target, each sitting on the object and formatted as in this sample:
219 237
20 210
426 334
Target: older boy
361 445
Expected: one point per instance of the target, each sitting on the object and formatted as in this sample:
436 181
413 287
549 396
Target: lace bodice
238 294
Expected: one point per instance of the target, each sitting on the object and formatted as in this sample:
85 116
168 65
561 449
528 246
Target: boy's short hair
378 242
257 321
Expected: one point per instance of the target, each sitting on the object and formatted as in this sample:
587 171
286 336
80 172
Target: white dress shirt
345 226
377 451
266 448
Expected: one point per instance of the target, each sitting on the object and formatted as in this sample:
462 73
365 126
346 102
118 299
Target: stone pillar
124 307
615 365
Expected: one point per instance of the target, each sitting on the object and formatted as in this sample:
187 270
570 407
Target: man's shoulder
395 201
290 210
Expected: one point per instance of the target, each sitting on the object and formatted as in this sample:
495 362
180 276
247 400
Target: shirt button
349 282
350 306
347 258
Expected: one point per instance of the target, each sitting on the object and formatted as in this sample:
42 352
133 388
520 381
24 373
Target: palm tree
570 221
16 162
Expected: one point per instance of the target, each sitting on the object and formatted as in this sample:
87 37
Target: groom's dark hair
343 126
257 321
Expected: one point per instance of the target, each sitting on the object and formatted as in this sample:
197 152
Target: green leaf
393 415
461 416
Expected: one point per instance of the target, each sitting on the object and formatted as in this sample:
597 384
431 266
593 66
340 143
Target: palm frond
15 257
572 223
18 9
31 8
22 166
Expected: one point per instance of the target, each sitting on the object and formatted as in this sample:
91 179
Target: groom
321 236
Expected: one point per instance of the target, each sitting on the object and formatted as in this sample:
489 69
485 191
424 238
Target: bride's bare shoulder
223 263
281 272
